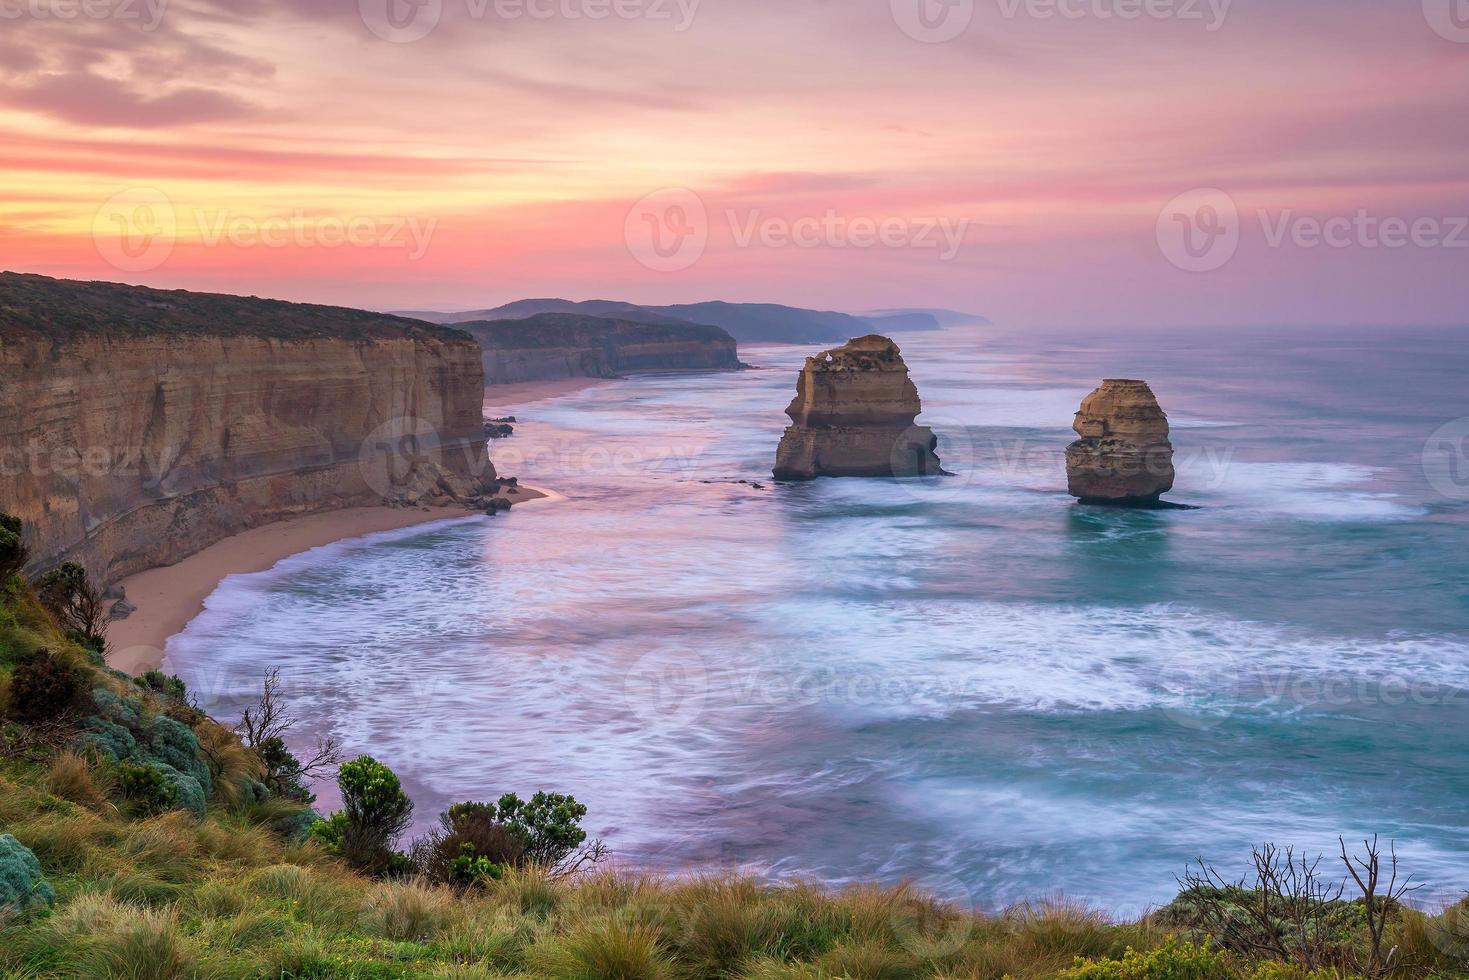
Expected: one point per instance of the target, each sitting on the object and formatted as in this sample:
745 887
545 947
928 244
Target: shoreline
168 598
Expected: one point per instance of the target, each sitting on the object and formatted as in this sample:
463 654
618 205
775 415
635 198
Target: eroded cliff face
559 345
138 434
1123 457
853 415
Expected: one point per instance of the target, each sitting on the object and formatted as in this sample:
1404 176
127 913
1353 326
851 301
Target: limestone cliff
1123 457
565 345
853 416
143 425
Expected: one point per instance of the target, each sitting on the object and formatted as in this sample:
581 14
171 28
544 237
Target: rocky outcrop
144 425
853 416
567 345
1123 457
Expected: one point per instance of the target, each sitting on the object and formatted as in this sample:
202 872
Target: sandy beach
167 598
499 398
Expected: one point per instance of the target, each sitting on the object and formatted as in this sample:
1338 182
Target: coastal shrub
168 685
1170 961
124 732
470 845
375 812
547 825
68 594
146 789
22 885
45 687
13 552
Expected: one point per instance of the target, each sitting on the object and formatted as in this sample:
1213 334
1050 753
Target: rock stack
853 416
1123 458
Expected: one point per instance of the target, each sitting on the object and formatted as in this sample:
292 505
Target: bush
45 687
470 845
168 685
547 825
13 552
122 732
375 812
146 788
69 595
1168 962
22 886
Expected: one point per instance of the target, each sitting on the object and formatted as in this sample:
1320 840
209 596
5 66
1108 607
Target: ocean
967 682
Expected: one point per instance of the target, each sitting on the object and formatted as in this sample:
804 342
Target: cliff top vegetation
32 305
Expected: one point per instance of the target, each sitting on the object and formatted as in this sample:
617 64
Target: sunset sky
501 154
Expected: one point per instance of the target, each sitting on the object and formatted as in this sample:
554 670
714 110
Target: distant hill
746 322
943 318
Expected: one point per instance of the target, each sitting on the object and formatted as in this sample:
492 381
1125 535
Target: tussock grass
408 910
73 778
614 946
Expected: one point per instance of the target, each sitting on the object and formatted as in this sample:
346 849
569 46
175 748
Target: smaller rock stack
853 416
1123 458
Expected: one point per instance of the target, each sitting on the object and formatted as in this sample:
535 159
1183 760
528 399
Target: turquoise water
969 682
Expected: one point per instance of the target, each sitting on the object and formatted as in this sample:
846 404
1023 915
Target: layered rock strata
853 415
566 345
1123 457
142 425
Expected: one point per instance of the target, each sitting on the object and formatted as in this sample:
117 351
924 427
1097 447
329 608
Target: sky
1100 163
